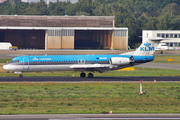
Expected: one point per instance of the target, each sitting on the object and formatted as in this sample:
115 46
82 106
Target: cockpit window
14 61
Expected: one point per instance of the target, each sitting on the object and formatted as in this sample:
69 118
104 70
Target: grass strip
5 60
164 59
93 97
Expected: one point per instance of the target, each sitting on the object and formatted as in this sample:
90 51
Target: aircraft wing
91 67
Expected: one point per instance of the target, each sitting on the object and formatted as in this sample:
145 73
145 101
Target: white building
172 37
24 0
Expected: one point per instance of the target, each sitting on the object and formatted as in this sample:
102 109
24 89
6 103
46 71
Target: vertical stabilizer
148 46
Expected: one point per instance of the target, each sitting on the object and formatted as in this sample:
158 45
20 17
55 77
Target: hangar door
24 38
60 39
120 39
93 39
2 36
87 38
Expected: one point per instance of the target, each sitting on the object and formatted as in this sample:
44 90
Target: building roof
61 28
56 21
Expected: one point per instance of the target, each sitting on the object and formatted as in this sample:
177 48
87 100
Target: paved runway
92 117
95 79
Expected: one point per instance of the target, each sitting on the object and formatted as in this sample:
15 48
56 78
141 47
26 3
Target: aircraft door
81 61
25 63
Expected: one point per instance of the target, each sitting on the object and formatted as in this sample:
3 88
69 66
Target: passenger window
171 44
163 35
167 35
171 35
175 35
158 35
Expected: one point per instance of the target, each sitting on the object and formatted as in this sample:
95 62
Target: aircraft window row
167 35
173 44
74 61
14 61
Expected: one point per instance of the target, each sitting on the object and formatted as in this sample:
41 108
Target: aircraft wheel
132 63
83 75
21 76
90 75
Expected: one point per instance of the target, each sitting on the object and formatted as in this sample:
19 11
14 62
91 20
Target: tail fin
148 46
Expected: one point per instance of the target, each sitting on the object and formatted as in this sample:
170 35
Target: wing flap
88 66
91 67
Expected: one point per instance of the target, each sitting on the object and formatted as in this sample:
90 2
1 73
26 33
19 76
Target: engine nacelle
119 61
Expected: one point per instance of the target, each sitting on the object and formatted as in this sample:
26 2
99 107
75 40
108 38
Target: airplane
162 47
91 63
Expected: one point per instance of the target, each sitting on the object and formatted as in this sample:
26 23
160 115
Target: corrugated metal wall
120 39
60 39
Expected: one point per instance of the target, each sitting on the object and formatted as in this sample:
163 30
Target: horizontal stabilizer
156 39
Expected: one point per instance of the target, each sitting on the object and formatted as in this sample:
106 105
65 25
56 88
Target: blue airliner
91 63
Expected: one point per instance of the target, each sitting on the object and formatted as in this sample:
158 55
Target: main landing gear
90 75
83 74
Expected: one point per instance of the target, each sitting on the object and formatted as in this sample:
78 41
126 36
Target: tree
120 15
151 24
20 8
171 9
5 8
84 6
70 9
57 8
164 22
133 31
175 23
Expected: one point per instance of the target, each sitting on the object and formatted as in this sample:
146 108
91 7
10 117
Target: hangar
62 32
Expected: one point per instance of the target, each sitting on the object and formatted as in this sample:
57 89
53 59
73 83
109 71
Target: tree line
137 15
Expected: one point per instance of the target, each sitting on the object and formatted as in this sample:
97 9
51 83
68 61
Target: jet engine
122 61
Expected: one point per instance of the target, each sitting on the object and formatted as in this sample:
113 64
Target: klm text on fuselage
146 48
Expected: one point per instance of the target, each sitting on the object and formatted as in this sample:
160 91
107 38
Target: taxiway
95 79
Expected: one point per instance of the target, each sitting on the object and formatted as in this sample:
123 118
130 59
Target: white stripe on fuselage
34 68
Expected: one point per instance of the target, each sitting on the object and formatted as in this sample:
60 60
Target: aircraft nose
6 67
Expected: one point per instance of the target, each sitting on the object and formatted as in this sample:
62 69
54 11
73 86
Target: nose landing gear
21 76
